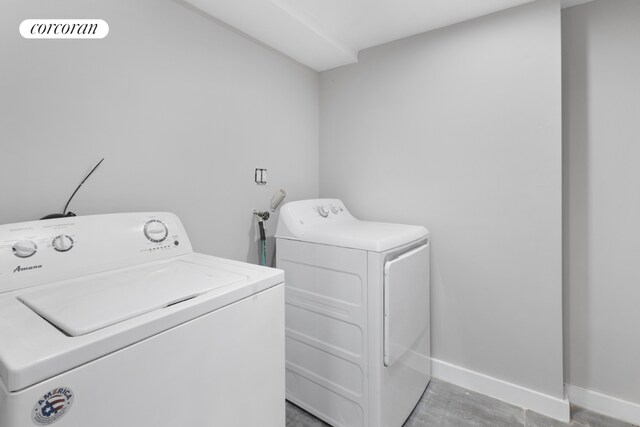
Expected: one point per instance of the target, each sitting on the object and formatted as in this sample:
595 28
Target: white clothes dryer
113 320
357 314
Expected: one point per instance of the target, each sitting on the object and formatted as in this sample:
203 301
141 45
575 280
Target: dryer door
406 302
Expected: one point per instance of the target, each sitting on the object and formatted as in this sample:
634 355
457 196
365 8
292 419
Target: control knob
62 243
335 209
323 211
155 231
24 248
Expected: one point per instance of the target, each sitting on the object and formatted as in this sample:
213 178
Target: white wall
182 108
460 130
601 60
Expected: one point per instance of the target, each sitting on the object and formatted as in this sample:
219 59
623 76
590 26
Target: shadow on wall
575 200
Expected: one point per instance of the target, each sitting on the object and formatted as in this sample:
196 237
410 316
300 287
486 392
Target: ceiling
324 34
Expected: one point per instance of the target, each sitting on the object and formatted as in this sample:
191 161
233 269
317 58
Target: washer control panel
24 248
156 231
62 243
37 252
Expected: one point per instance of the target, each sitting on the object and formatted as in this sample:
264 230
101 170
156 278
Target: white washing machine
113 320
357 314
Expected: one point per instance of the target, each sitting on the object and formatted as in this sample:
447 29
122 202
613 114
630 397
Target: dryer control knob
62 243
24 248
335 209
155 231
323 211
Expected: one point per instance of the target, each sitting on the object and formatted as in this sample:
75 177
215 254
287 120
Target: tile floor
446 405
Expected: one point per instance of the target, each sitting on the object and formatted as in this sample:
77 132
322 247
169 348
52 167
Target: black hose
263 235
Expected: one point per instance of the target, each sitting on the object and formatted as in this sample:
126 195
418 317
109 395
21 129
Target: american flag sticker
52 406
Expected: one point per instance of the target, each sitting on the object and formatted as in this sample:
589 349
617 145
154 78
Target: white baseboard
517 395
603 404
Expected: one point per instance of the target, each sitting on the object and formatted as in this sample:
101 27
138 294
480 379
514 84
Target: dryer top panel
328 222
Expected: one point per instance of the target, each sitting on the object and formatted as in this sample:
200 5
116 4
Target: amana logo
52 406
18 269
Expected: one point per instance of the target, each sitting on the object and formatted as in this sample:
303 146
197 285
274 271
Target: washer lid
117 309
328 222
86 305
